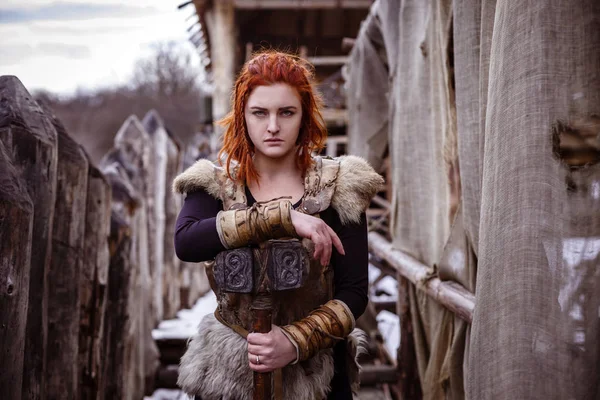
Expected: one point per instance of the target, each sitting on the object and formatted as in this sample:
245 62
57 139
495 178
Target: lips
273 141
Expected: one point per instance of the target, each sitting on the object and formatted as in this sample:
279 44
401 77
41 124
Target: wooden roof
301 4
287 4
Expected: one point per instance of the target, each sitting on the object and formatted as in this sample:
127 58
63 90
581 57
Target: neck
271 168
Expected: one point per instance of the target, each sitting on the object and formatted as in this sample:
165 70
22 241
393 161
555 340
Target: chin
276 153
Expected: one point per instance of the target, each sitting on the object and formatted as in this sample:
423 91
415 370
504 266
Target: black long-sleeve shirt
196 240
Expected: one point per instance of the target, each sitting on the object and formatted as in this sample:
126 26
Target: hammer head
275 265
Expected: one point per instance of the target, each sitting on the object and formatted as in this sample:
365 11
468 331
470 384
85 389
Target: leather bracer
256 224
331 322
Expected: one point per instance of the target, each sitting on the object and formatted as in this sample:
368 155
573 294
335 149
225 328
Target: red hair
266 68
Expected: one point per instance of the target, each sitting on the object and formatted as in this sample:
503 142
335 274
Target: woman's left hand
274 350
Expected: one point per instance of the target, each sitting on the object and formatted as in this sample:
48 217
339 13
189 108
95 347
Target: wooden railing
449 294
409 271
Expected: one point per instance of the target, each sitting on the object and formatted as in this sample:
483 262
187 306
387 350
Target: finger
263 360
255 350
326 253
259 339
260 367
316 239
336 241
326 248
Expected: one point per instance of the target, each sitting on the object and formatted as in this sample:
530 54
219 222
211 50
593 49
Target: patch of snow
186 323
389 286
577 250
374 273
389 326
168 394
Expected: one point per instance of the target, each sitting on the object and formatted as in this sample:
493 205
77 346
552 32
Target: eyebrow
280 108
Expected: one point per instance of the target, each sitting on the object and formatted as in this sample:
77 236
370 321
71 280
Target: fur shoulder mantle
347 183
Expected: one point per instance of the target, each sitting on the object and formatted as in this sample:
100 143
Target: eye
287 113
259 113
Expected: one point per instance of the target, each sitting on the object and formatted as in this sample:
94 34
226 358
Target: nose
273 126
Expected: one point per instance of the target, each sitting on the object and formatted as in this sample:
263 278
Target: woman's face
273 117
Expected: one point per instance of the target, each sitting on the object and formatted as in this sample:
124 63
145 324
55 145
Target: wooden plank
332 144
125 367
301 4
171 349
371 374
63 277
16 227
388 305
155 185
450 294
220 22
130 159
113 382
348 43
167 376
335 117
371 393
31 141
408 381
329 61
173 203
93 283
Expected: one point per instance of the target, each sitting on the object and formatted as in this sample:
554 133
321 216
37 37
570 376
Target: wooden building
226 33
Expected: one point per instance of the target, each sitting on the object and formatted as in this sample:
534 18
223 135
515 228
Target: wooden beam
449 294
380 201
371 375
388 305
332 144
166 376
348 43
335 116
220 24
409 386
301 4
321 61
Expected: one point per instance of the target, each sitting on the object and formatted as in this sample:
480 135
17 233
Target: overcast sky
65 45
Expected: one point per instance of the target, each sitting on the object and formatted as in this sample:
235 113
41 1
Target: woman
270 191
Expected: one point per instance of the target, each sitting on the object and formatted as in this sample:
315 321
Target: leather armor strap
331 322
256 224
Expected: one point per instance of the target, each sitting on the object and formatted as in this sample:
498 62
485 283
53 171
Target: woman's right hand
319 233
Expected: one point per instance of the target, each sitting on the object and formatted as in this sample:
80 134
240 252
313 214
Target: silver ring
257 360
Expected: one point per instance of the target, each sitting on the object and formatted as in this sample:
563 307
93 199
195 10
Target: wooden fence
87 266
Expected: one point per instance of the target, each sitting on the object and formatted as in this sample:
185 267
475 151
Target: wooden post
63 277
410 387
116 325
172 282
31 141
113 385
16 225
93 284
155 174
131 154
220 21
